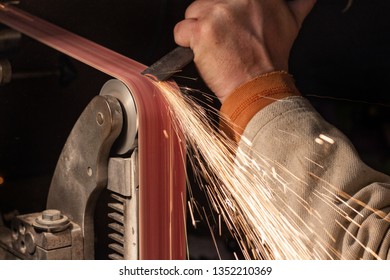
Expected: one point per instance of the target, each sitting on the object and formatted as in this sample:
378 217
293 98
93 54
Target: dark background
340 62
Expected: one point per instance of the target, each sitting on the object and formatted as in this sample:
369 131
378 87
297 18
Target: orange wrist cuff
248 99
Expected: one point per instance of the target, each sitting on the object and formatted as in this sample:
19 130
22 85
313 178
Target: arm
347 204
241 50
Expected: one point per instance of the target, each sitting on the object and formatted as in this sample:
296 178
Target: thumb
301 8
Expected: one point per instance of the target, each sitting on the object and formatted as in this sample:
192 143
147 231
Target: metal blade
170 64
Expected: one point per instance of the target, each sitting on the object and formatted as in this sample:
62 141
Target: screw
51 215
100 118
89 171
30 243
22 229
22 245
15 231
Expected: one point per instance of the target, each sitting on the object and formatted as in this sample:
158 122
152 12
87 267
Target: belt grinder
149 204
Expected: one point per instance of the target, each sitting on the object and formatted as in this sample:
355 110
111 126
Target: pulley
127 140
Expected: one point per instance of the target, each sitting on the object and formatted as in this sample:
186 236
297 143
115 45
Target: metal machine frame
146 176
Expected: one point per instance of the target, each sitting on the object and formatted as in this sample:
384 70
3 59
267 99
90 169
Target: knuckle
181 33
219 16
221 11
194 9
207 31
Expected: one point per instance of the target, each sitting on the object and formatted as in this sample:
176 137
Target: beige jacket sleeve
343 203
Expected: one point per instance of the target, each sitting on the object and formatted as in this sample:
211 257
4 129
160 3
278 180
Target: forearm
248 99
339 202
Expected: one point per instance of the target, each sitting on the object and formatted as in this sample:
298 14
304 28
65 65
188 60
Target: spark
219 225
192 214
326 138
348 100
246 141
288 133
378 212
212 234
358 241
250 192
185 77
312 161
319 141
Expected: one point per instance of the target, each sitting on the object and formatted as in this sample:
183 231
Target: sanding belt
161 163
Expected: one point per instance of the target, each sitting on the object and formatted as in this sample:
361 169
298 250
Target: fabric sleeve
341 204
239 108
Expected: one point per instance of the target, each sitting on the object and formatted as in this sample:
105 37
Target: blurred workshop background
340 62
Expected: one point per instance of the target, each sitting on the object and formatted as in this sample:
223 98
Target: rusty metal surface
6 244
24 242
162 168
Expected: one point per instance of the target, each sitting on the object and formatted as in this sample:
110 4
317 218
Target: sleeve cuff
248 99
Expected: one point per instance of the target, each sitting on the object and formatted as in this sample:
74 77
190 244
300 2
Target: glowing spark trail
249 193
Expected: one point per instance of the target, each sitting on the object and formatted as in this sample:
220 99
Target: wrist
248 99
258 65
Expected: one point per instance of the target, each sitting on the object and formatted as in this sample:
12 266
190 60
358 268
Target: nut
51 221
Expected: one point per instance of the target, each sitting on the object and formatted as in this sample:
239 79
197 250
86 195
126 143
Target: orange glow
1 180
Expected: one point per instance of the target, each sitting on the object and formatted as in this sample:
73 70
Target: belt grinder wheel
127 139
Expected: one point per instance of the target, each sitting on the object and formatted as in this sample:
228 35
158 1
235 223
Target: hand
235 41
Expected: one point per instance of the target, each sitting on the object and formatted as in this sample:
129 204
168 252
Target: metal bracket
81 171
124 184
29 242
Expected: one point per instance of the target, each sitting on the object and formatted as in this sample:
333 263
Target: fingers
199 8
301 8
183 32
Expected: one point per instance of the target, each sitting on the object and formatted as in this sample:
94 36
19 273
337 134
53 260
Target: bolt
51 215
22 245
100 118
15 231
30 243
22 229
51 220
89 171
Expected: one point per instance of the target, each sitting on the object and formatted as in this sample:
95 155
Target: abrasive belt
161 158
